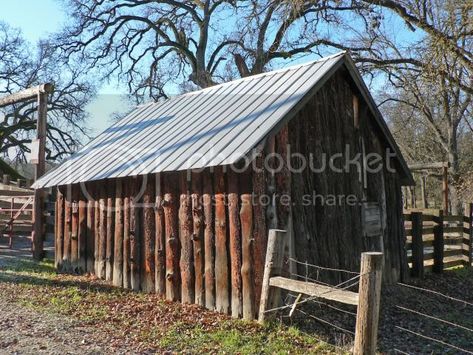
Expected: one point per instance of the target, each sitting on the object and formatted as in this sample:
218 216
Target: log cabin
177 197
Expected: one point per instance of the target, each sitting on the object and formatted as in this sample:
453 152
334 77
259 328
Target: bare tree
151 43
22 67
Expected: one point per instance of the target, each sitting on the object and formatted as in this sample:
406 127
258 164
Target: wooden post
160 242
470 234
186 263
438 244
260 232
246 218
6 179
75 229
425 203
209 240
272 267
110 231
149 235
221 256
82 234
40 169
235 244
126 234
417 246
369 296
445 190
96 230
100 271
66 251
118 242
135 236
172 237
90 230
59 228
198 238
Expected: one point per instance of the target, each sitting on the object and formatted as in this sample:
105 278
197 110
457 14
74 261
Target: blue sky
39 18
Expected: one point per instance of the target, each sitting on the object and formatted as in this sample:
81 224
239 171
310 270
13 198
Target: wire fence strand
435 318
436 293
435 340
323 267
326 322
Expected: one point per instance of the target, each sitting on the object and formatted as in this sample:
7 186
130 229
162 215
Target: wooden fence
436 242
367 299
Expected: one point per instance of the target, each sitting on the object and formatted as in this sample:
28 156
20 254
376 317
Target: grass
145 320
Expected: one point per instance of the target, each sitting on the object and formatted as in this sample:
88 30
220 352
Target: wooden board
315 290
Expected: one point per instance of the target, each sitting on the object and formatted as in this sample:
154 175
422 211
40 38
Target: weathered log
27 94
235 244
259 225
149 235
160 241
172 239
209 240
110 231
246 218
135 235
82 234
103 233
118 243
66 252
75 229
90 230
283 200
59 228
198 238
186 263
366 333
221 254
96 231
126 234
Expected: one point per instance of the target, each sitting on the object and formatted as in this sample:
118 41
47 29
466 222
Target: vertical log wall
185 237
202 238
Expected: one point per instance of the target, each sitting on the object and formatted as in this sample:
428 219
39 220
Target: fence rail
435 242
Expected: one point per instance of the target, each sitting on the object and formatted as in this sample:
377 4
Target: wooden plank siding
201 237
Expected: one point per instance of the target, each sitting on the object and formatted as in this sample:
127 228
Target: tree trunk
221 254
149 235
198 238
172 237
235 244
185 235
118 242
110 232
209 241
160 252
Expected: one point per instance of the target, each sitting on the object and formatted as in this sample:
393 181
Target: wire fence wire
435 340
436 293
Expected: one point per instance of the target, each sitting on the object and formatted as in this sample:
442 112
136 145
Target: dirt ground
44 312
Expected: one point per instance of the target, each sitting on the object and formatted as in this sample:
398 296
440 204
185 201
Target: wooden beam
160 241
209 240
428 166
27 94
315 290
234 230
198 238
149 236
118 243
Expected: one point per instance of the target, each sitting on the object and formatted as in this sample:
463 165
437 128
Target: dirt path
25 331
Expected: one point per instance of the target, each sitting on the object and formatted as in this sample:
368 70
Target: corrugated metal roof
215 126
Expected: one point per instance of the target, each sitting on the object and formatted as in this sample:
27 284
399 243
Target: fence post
272 267
6 179
470 234
438 244
417 246
369 295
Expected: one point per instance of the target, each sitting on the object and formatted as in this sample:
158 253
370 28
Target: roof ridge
253 77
